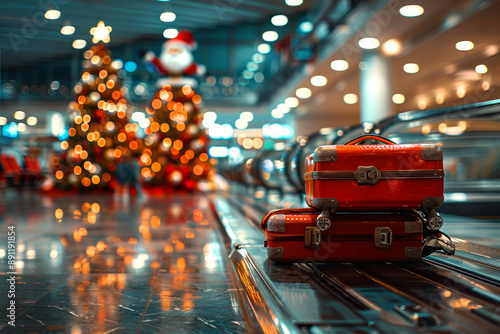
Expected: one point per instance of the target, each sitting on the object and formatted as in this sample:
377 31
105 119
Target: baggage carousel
197 263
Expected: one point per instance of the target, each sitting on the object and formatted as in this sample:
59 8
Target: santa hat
183 37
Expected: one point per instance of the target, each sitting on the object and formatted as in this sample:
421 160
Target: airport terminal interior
263 166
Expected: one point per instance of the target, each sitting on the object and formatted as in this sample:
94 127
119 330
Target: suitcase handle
380 139
263 223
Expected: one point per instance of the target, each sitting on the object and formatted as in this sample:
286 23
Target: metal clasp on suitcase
383 237
367 175
312 237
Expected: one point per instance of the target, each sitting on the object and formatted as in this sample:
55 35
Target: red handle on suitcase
263 223
381 139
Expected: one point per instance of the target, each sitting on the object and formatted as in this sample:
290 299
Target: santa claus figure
176 58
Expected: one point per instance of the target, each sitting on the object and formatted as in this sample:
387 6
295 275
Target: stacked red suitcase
363 202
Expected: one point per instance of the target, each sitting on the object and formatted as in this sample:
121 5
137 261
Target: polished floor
104 264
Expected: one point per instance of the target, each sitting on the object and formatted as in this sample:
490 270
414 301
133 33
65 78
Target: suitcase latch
383 237
367 175
312 237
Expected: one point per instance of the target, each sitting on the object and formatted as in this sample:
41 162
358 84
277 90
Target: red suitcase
292 236
375 177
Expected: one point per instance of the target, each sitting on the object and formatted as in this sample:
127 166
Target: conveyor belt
457 294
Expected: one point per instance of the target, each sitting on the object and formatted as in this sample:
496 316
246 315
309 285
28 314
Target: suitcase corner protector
276 223
276 254
413 224
325 153
431 152
432 202
412 254
326 203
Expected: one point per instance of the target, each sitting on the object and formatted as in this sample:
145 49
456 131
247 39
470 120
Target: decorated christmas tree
174 155
100 136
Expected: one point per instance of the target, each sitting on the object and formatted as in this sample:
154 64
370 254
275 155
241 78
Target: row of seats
14 176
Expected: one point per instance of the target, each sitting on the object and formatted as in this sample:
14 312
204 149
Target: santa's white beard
176 63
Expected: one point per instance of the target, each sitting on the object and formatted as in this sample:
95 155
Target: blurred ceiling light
303 93
392 47
422 104
167 17
451 20
79 44
247 116
319 81
461 92
440 98
279 20
19 115
248 74
264 48
251 66
241 124
442 127
306 27
283 108
247 143
481 69
464 46
490 50
210 115
3 120
54 85
292 102
117 64
339 65
32 120
52 14
369 43
398 98
485 85
258 58
170 33
411 68
351 98
227 131
259 77
449 69
276 113
411 10
293 3
68 30
270 36
257 143
21 127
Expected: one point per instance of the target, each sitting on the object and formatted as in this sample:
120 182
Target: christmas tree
100 136
174 155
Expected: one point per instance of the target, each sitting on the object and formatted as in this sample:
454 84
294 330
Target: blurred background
277 71
113 112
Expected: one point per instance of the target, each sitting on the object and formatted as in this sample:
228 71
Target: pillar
375 87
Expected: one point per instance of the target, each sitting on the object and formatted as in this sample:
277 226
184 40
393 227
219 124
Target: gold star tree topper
100 33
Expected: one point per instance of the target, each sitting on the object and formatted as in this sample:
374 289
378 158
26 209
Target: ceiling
26 36
429 41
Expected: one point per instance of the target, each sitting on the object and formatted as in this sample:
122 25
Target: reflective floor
98 264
